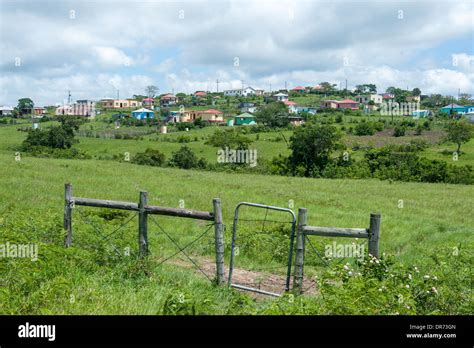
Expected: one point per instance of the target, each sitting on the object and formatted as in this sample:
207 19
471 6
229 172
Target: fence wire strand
181 249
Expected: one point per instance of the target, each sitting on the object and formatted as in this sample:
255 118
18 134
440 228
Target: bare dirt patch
267 281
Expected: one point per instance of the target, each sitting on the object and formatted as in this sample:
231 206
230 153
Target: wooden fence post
299 258
219 240
68 213
374 234
143 224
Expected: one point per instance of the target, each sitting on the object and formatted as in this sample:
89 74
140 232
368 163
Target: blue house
142 113
452 108
421 113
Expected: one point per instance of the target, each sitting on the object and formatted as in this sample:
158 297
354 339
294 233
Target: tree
25 106
416 92
312 146
327 87
151 91
230 138
458 132
150 157
273 115
185 158
366 88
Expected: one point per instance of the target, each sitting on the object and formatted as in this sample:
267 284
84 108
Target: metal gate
290 251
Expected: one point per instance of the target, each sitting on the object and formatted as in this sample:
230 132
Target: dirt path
267 281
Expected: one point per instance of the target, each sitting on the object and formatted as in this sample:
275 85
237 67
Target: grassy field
417 220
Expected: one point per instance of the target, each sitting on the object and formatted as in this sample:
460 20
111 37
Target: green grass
433 216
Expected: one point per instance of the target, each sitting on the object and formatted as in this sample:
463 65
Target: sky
105 48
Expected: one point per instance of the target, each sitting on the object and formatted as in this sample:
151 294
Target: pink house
341 104
150 102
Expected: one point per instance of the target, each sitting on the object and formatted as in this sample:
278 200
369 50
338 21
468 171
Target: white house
366 98
5 110
241 92
283 97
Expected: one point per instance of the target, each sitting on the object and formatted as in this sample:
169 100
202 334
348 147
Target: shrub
150 157
399 131
364 128
185 158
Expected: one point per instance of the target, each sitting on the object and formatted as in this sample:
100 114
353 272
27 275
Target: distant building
241 92
150 102
366 98
168 99
63 110
296 120
210 115
200 94
341 104
388 95
421 113
39 110
413 99
108 103
143 113
6 110
247 107
245 119
282 97
299 89
453 108
84 108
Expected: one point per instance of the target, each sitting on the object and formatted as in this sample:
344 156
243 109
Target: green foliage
185 158
25 106
273 115
150 157
312 146
231 138
364 128
399 131
458 132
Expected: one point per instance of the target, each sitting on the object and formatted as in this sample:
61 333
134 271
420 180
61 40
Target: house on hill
210 115
299 89
143 113
6 110
453 108
341 104
366 98
168 99
241 92
245 119
109 103
148 102
247 107
282 97
200 94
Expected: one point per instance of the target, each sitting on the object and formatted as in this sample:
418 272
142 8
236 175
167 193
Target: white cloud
302 42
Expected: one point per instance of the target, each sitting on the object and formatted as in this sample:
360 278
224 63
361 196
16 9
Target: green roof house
245 119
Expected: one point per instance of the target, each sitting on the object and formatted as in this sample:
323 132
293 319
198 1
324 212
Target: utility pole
285 85
217 85
345 92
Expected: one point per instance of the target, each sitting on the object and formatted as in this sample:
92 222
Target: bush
364 128
150 157
185 158
399 131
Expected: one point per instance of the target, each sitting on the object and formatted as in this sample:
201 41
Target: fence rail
372 234
144 210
